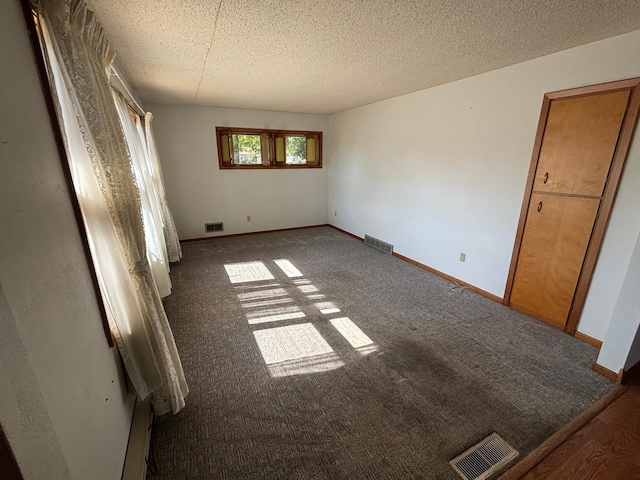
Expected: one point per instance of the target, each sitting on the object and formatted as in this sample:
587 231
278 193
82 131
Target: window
296 148
247 148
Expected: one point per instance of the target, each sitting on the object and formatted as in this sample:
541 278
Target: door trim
615 173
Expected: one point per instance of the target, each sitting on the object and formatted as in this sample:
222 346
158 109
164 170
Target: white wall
443 170
618 350
634 352
198 192
63 401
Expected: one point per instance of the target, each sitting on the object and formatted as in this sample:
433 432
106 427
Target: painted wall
198 192
634 352
443 170
63 401
619 349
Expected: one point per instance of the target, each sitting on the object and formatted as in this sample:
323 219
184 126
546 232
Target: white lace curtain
78 56
172 242
151 213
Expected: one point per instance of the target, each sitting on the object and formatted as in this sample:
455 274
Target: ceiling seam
206 57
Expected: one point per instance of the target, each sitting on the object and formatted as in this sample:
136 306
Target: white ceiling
325 56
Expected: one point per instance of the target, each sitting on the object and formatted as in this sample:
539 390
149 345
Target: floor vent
379 244
484 458
213 227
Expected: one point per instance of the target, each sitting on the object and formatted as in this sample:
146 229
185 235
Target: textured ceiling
326 56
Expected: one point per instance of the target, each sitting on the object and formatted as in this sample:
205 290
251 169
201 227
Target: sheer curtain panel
170 234
151 216
78 56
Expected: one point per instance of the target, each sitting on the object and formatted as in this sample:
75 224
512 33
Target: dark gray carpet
446 367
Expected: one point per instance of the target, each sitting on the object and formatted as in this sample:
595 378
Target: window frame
268 138
31 16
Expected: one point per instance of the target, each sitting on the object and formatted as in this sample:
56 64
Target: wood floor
606 447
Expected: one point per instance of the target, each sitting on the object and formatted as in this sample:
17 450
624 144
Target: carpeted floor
411 371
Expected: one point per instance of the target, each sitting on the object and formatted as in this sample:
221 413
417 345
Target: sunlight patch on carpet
308 288
303 366
316 296
327 307
368 350
262 294
349 330
267 303
288 268
248 272
254 287
277 317
292 342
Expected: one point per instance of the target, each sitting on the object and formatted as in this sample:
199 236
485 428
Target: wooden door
579 140
581 145
554 244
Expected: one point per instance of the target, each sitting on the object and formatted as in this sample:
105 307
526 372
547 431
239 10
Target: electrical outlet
463 256
248 218
335 213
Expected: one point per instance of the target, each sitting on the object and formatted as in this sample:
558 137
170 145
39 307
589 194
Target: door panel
554 243
580 138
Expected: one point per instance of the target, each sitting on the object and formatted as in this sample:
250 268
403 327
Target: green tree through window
296 150
256 148
246 149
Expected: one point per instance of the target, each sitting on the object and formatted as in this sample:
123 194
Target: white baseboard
135 462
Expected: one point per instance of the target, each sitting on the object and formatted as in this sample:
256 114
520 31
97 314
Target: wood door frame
608 197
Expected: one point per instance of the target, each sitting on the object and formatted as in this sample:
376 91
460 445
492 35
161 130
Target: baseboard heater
378 244
135 462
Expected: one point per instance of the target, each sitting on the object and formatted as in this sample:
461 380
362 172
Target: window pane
296 150
311 150
224 144
280 149
256 148
246 149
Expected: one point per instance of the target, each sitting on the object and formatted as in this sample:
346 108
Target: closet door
581 146
580 138
553 248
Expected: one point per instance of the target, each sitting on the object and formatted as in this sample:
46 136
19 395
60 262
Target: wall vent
379 244
484 459
213 227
